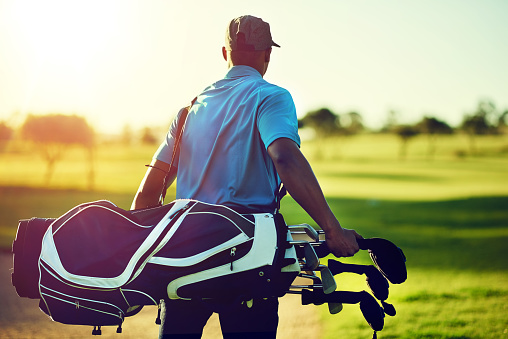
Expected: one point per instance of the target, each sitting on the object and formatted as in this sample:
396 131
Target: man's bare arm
150 190
300 181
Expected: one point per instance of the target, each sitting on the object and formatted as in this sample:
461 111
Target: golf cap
248 33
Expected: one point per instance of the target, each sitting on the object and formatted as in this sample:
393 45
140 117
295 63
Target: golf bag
98 263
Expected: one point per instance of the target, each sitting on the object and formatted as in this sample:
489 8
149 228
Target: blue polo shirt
223 157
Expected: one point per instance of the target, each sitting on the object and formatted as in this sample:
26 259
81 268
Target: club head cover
372 312
377 283
389 309
388 258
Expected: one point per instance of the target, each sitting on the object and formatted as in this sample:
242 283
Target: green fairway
449 214
457 283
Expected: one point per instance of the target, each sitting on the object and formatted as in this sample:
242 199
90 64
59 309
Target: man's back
223 157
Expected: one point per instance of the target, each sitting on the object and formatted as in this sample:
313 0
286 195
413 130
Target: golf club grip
371 310
319 297
321 249
363 243
337 267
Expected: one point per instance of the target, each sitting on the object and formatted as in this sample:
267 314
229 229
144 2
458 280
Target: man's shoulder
268 87
272 90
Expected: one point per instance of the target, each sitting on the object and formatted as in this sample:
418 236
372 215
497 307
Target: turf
448 213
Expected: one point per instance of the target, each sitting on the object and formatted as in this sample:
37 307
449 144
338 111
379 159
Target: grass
457 283
448 214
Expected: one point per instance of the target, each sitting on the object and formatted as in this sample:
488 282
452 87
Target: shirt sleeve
277 118
165 151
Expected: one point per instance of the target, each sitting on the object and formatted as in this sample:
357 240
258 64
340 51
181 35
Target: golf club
388 258
309 230
372 312
375 280
329 283
333 308
305 251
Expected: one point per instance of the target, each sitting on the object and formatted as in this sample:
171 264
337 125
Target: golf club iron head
335 308
309 230
311 258
329 283
305 252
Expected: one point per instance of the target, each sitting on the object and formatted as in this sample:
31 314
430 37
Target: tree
6 134
53 134
127 135
325 124
351 123
405 133
433 127
323 121
148 137
502 122
391 122
479 122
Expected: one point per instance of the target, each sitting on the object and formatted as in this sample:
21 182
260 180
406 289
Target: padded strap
176 147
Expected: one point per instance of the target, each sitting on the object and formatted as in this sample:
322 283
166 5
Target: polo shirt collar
242 71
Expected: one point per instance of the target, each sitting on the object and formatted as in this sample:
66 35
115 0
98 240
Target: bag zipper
232 254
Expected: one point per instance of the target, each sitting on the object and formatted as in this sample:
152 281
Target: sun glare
59 44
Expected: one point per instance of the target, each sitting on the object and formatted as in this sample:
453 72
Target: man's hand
342 242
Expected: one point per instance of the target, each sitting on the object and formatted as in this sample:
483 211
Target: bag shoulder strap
176 147
279 194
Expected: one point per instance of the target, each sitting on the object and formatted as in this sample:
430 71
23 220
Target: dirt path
21 318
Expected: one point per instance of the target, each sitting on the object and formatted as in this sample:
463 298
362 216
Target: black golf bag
98 263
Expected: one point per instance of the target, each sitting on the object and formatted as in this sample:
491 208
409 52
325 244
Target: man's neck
256 60
260 71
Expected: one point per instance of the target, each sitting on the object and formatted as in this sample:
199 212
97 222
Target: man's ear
268 52
224 53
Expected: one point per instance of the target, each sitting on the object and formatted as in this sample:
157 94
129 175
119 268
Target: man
240 137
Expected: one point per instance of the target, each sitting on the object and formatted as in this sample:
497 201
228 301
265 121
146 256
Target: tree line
53 134
486 119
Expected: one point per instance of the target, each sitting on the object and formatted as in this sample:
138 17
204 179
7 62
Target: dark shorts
184 319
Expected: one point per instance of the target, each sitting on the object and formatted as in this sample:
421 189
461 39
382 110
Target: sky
136 62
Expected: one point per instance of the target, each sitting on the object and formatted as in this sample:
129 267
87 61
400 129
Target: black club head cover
372 312
377 283
388 258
